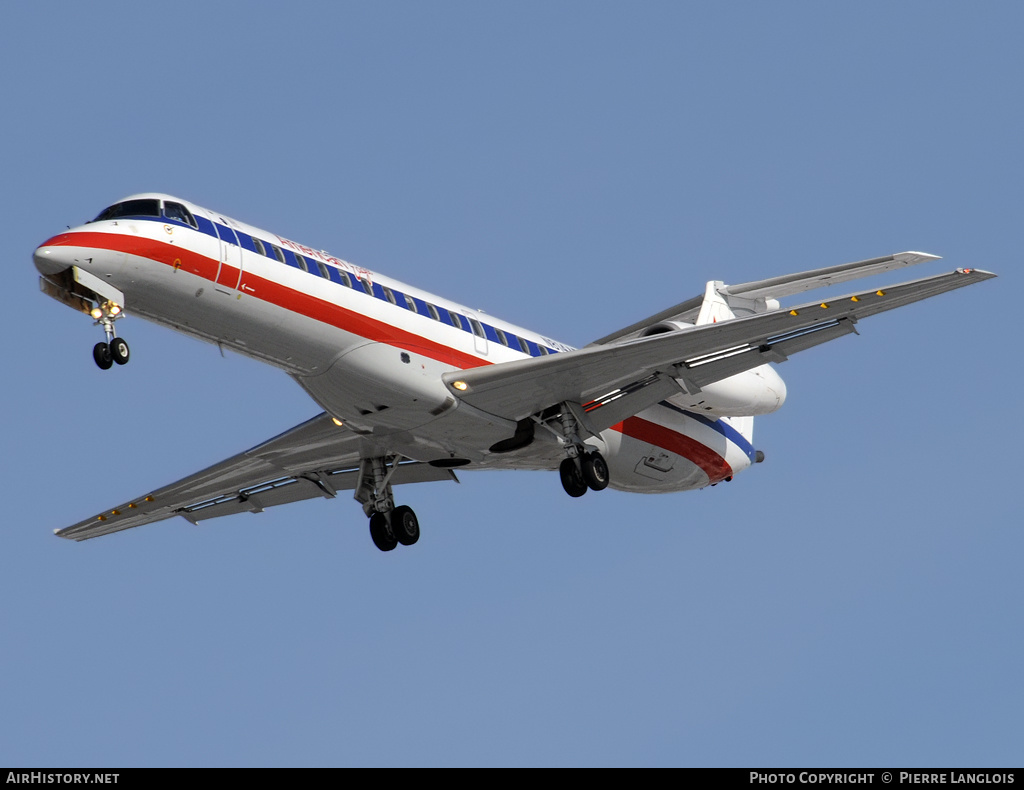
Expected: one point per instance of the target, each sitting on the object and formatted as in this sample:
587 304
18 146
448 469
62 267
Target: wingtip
982 273
913 256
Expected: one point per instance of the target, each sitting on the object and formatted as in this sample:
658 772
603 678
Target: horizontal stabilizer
789 284
772 288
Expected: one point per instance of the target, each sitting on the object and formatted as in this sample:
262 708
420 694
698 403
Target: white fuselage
371 351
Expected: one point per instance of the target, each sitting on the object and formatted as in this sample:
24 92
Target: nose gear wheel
102 356
119 351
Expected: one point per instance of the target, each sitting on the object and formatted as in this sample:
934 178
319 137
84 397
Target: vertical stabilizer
714 308
720 304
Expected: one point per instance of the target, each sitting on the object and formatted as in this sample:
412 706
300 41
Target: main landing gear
389 525
587 471
584 468
115 349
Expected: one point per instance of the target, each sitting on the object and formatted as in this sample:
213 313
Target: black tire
572 478
101 354
595 471
405 525
379 533
119 351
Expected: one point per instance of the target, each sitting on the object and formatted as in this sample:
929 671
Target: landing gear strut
583 468
389 525
115 349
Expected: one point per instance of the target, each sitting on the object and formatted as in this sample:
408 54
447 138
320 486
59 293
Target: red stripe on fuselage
272 292
713 465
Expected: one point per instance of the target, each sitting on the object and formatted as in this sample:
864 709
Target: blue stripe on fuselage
245 240
720 426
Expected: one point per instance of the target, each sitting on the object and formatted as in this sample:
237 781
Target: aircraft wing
313 459
613 382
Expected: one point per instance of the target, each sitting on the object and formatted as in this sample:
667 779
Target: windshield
131 208
178 212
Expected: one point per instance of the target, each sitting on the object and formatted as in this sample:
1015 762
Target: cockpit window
177 211
131 208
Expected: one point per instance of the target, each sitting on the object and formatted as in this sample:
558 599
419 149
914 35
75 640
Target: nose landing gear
115 349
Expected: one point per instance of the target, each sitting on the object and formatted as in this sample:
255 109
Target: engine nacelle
753 392
664 327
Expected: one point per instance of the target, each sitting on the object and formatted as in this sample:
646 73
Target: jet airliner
414 386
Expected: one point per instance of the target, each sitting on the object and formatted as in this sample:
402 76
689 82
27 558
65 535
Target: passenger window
345 279
477 329
258 245
368 287
544 350
501 336
456 319
410 303
390 296
524 346
277 252
323 270
433 312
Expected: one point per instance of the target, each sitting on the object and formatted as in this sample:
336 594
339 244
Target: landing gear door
230 272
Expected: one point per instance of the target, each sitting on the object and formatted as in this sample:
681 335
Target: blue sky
572 167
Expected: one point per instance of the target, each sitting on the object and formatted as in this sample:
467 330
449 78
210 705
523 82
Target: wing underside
314 459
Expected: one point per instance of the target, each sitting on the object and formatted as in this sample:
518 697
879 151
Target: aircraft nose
50 257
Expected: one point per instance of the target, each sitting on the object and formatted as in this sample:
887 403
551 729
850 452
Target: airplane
414 386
